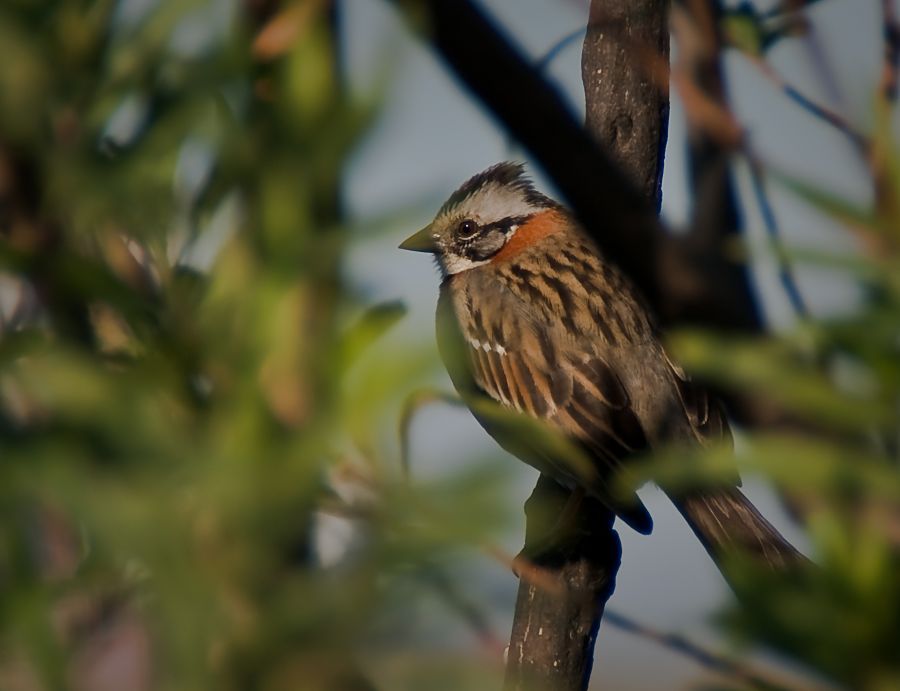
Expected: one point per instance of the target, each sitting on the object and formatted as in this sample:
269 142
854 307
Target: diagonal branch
708 659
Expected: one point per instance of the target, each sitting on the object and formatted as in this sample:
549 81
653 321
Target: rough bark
554 629
624 108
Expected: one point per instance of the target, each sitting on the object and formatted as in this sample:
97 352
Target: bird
535 326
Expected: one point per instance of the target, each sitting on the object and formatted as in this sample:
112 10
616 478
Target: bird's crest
508 175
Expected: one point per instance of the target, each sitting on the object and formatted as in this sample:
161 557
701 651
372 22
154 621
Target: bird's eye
467 229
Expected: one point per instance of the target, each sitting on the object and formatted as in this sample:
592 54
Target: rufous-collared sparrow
533 318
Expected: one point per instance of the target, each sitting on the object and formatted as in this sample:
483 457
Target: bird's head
480 218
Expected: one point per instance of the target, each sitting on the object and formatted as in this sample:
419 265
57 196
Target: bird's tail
726 522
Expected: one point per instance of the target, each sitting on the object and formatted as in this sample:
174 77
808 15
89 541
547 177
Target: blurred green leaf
185 392
788 372
855 216
370 327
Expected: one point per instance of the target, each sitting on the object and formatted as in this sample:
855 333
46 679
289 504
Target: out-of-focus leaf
754 32
414 403
847 604
25 81
370 327
826 470
875 227
785 373
742 29
284 30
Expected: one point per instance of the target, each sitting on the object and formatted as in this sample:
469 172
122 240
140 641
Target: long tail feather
726 522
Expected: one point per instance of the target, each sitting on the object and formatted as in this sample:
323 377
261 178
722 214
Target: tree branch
554 631
626 111
716 217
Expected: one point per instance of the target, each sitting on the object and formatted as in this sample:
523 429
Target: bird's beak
423 241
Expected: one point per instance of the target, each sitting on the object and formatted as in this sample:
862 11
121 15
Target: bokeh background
210 338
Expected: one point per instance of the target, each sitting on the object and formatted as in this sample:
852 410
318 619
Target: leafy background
205 363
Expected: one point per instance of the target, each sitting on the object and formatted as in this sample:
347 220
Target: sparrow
534 324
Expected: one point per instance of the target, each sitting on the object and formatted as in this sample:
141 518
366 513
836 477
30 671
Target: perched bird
533 321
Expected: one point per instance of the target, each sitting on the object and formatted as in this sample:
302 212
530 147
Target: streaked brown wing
523 366
573 388
599 411
704 413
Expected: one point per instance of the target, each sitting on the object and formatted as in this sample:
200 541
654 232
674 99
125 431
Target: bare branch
626 111
785 275
860 140
787 8
554 631
706 658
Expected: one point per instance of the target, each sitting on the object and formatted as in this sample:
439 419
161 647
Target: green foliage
831 388
187 373
169 432
754 32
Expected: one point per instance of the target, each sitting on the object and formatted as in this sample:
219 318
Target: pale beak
423 241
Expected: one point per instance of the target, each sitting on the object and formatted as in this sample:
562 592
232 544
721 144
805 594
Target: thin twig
785 275
860 140
526 569
787 8
891 33
720 121
544 61
470 613
715 120
818 55
414 402
702 656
